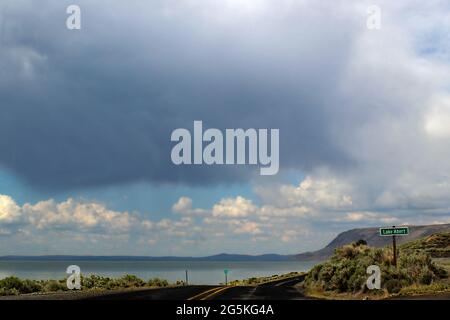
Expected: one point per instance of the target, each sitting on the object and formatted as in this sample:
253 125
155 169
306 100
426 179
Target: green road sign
225 271
400 231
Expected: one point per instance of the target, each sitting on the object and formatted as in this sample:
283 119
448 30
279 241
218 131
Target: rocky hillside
437 245
372 237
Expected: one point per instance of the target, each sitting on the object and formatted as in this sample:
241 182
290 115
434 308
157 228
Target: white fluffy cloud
244 227
233 207
9 210
323 192
184 206
69 214
73 214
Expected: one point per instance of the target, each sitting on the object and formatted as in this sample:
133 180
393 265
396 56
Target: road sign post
226 276
394 231
187 279
394 250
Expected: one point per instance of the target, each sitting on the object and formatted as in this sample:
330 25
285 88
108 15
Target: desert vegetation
16 286
345 272
436 245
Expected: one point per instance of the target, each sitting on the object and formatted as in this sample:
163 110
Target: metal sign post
226 276
394 248
394 231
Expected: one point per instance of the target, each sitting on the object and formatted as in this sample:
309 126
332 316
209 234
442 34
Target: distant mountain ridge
372 237
218 257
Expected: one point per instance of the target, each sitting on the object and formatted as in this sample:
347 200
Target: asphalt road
177 293
277 290
260 293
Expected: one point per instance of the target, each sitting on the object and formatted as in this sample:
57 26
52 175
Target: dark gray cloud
97 106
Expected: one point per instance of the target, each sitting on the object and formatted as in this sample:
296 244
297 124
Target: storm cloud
96 106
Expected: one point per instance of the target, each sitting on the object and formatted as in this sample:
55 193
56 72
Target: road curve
283 289
275 290
176 293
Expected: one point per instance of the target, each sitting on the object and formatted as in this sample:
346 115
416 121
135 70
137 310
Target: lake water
200 272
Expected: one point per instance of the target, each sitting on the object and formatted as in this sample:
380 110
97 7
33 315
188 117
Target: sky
87 115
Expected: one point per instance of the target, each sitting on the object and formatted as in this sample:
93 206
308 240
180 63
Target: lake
200 272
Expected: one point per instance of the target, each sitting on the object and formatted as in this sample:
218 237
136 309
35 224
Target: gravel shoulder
74 294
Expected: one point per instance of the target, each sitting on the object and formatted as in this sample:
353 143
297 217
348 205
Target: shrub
97 282
130 281
393 286
15 285
11 283
426 277
30 286
180 283
55 285
346 270
156 282
361 242
9 292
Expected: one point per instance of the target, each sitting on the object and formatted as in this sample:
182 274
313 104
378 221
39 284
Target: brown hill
372 237
437 245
